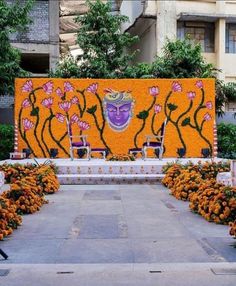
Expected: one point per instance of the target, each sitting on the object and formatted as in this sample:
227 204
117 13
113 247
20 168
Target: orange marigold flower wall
115 114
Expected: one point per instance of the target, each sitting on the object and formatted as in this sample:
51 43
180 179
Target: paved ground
118 235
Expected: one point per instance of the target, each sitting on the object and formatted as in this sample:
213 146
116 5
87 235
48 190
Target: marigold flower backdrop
115 114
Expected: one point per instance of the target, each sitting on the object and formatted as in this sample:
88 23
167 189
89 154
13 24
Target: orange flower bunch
16 171
26 198
120 157
186 183
215 203
210 170
47 179
232 230
9 219
171 174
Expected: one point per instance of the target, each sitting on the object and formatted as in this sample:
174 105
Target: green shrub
226 140
6 140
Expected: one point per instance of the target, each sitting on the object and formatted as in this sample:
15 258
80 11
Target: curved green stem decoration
143 115
178 130
63 136
36 136
198 128
100 129
35 112
140 130
175 123
27 143
42 135
100 132
51 133
23 135
153 103
152 124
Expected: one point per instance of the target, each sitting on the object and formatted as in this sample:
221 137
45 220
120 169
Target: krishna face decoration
118 109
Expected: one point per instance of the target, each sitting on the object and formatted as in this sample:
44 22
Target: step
71 179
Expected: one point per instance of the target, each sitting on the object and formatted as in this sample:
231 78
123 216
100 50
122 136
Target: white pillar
166 27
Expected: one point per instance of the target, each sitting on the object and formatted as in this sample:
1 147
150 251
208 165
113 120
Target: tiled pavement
118 225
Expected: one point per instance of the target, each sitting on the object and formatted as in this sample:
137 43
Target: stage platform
99 171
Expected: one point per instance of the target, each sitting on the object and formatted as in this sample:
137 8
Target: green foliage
13 18
7 140
143 114
229 90
182 59
66 68
102 42
186 121
226 140
172 107
92 109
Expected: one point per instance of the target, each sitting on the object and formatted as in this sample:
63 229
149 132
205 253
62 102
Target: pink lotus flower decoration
28 124
157 108
154 91
28 86
74 118
26 103
59 92
176 86
191 95
48 87
92 88
209 105
75 100
68 86
83 125
207 117
47 102
60 117
65 105
199 84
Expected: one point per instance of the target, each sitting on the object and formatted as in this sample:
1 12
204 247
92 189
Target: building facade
211 23
39 46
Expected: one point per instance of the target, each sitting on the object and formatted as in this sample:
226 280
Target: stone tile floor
121 228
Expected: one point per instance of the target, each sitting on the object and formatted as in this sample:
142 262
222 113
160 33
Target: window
199 32
230 41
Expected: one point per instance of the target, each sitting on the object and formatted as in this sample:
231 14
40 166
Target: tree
183 59
13 17
103 44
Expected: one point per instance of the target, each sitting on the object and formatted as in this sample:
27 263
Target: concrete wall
7 116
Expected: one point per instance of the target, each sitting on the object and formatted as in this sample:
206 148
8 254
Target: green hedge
226 140
6 140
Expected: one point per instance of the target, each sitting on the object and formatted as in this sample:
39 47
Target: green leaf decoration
35 111
186 121
143 114
172 106
92 110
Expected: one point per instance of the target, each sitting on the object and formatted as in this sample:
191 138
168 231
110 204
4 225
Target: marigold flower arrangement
47 179
232 230
26 199
120 157
28 185
9 219
186 183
